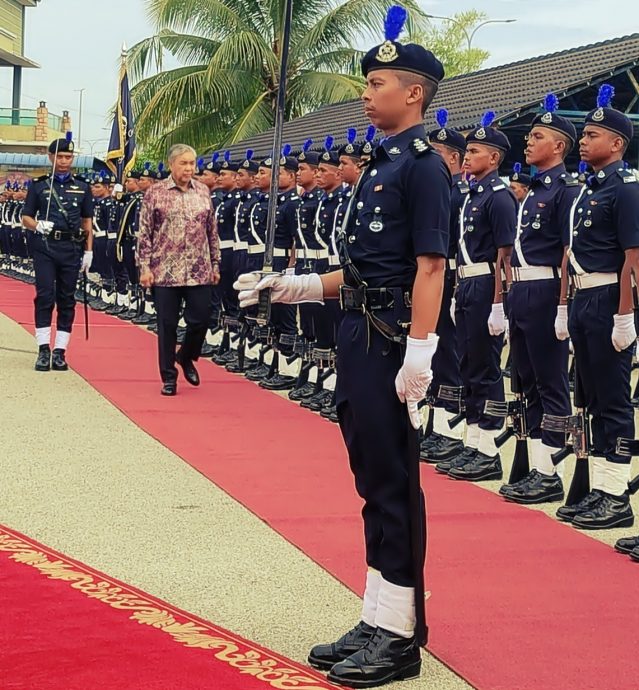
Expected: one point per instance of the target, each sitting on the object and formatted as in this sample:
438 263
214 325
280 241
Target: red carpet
520 602
68 627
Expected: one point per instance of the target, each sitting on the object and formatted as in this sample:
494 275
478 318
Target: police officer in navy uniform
604 249
445 442
394 244
540 358
62 246
519 182
486 234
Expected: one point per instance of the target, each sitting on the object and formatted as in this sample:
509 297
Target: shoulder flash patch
463 186
496 186
569 180
627 176
420 146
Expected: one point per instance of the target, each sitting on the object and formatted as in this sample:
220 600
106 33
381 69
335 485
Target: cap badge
515 177
245 164
546 118
598 115
480 133
349 148
442 135
387 52
268 161
368 147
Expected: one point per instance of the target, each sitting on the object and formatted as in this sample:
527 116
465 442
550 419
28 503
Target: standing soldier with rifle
59 210
393 247
604 249
539 356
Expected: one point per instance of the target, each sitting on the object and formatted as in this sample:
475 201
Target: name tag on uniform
75 191
378 188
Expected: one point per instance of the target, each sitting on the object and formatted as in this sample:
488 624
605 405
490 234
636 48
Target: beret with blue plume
213 165
62 145
406 57
287 161
604 115
518 176
330 155
307 156
446 136
146 170
249 163
487 135
227 163
549 119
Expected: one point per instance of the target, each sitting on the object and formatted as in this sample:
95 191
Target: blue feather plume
370 133
68 136
286 150
200 162
605 95
394 22
328 142
147 165
307 145
442 117
583 166
249 154
160 166
517 168
551 103
227 156
351 133
215 157
487 118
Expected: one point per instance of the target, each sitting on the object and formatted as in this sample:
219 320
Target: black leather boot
384 658
610 511
480 468
539 488
58 362
568 513
627 544
325 656
43 363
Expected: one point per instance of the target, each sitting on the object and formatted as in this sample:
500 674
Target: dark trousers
480 352
539 358
168 300
227 278
604 372
283 316
128 261
57 265
99 256
446 360
375 428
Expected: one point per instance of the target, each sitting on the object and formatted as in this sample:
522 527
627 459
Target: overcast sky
94 32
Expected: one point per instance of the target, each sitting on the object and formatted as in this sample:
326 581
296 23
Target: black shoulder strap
58 202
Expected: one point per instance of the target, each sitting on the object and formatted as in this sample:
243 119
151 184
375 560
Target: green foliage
449 41
224 87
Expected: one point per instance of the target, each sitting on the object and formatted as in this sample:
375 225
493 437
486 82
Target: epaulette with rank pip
626 175
42 178
420 146
463 186
569 180
497 185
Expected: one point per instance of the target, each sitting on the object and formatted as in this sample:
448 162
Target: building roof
8 59
510 90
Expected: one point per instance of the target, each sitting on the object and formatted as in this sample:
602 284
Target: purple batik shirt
178 240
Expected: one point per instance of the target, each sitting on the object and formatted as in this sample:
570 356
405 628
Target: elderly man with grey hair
179 258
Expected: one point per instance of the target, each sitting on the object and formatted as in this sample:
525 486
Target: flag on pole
121 154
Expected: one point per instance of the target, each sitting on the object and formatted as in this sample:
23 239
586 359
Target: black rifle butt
520 467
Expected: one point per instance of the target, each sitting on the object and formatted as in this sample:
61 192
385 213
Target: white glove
44 227
497 319
623 332
453 304
415 375
87 260
284 288
561 322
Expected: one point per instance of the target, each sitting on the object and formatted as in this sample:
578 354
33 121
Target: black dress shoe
384 658
116 309
305 391
143 320
539 488
506 489
445 466
481 468
325 656
258 373
318 402
58 362
568 513
188 369
610 511
428 443
207 350
169 388
446 448
279 382
43 363
627 544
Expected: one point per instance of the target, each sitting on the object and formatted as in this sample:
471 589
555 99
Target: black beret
307 156
446 136
549 120
518 176
485 134
62 146
607 117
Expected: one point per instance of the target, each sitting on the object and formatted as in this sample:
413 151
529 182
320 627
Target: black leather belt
372 299
73 235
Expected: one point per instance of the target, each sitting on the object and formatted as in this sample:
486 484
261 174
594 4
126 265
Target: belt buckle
57 235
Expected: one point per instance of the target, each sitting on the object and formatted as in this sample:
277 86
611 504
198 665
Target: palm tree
224 87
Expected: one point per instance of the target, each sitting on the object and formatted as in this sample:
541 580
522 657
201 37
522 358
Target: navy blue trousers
375 428
540 359
228 295
57 265
604 372
128 261
283 316
99 256
446 360
480 352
